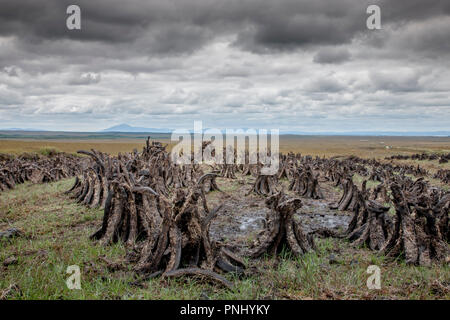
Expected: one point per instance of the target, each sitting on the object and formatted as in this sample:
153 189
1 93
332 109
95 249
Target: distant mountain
127 128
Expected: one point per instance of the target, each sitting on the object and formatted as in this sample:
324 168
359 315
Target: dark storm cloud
413 10
114 28
179 26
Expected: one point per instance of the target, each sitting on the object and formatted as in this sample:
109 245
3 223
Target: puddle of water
251 223
314 221
240 221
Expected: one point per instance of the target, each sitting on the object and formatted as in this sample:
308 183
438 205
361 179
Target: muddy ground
243 216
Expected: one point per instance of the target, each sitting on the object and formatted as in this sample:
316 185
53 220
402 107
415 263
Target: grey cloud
85 79
412 10
325 84
113 30
428 38
10 98
332 55
397 82
11 71
181 26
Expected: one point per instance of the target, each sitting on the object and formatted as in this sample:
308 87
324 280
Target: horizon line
436 133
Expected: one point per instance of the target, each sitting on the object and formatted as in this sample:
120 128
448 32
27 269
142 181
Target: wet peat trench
241 221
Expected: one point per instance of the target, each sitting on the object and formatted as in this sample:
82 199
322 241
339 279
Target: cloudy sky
305 65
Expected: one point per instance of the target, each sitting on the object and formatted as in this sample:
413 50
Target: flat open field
20 142
323 146
366 147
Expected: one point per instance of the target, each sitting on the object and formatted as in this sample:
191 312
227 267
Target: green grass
370 184
57 235
49 151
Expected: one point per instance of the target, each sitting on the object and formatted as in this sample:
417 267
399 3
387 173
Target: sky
286 64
